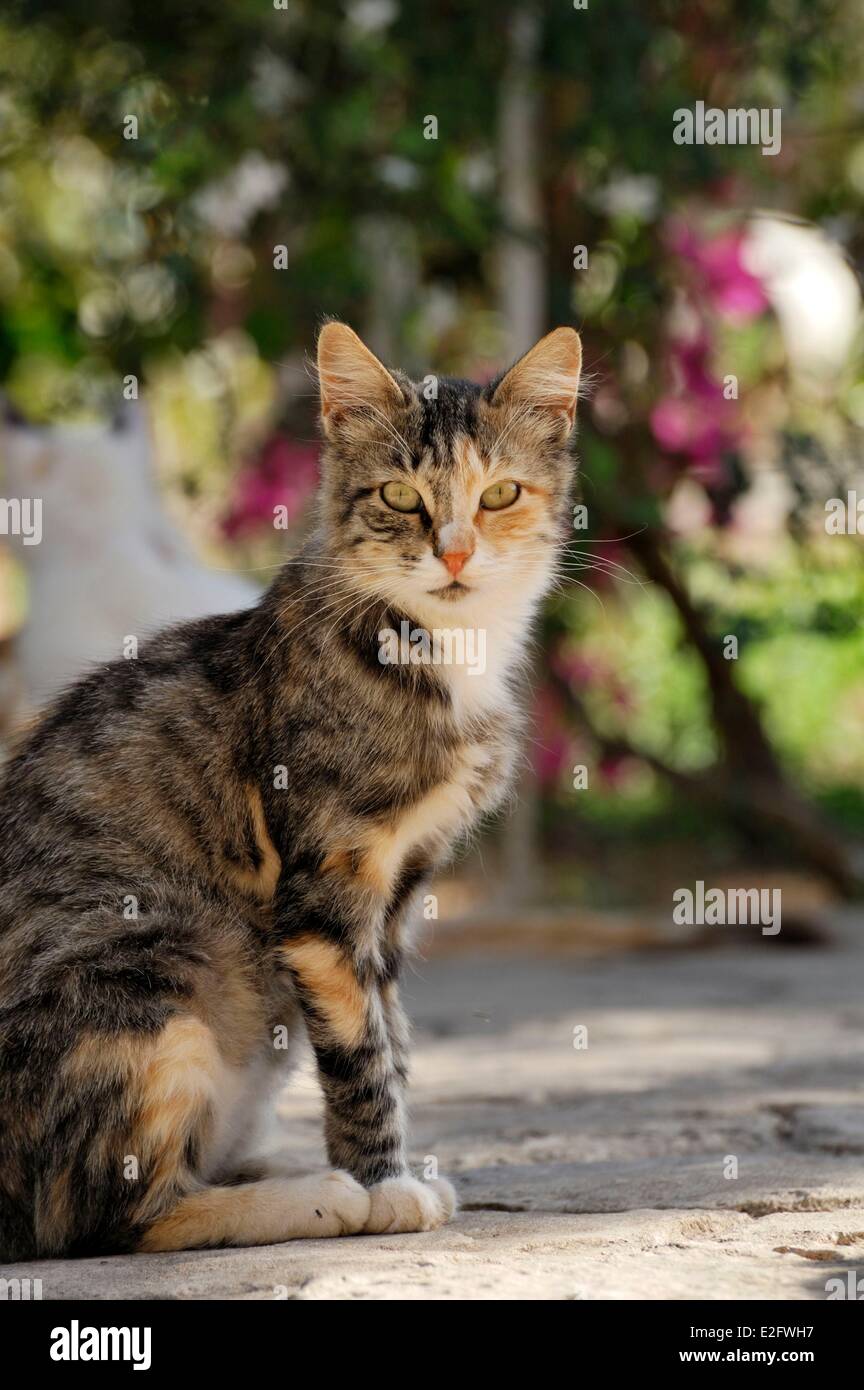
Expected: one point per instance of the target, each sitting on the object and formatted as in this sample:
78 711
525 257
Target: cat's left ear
350 376
547 377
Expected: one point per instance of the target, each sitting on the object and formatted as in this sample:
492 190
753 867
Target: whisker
611 540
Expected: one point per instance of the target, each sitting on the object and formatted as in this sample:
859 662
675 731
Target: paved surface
597 1172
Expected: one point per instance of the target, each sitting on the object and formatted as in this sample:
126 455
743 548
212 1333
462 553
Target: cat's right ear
350 376
546 379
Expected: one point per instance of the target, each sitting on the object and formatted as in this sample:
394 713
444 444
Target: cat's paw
339 1205
406 1204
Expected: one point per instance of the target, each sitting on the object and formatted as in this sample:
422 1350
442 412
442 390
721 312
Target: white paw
405 1204
339 1205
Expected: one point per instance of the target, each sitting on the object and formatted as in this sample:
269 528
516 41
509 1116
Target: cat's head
446 498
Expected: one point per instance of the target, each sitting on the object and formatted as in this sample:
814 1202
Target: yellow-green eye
499 495
401 497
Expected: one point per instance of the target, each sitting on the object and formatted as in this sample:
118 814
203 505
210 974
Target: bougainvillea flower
552 746
731 289
285 474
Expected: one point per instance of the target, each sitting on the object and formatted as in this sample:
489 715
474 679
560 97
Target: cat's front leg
399 1203
348 1003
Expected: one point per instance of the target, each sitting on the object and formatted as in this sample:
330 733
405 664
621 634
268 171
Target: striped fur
211 849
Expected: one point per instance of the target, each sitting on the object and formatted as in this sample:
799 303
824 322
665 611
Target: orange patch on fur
432 820
173 1080
469 463
53 1211
257 1213
261 881
177 1089
188 1224
340 861
114 1054
327 976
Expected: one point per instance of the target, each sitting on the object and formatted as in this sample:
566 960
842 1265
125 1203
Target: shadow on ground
706 1143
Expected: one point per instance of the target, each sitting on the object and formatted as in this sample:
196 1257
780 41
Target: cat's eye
499 495
401 497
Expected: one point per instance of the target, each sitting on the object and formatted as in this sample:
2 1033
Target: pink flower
731 289
551 749
613 769
618 770
681 426
695 419
283 475
574 669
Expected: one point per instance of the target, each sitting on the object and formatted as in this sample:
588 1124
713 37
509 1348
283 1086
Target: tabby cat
212 847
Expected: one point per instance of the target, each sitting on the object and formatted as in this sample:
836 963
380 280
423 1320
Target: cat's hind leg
182 1085
262 1213
135 1115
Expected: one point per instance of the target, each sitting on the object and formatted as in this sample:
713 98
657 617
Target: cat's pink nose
455 559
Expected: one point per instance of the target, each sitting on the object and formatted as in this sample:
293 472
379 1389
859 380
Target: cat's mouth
450 591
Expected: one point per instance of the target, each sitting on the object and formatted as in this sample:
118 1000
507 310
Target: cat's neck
483 645
474 648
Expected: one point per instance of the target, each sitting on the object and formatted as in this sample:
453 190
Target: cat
110 563
212 848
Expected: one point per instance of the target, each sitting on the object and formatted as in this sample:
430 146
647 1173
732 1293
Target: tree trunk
521 276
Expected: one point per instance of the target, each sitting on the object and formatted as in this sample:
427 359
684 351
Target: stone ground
595 1173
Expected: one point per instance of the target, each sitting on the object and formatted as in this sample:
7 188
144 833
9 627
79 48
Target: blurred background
187 189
